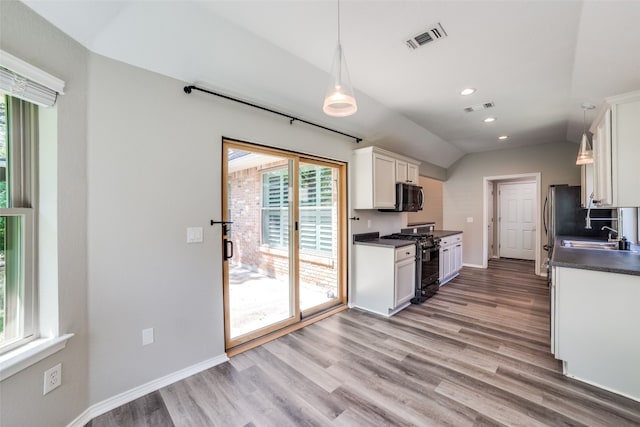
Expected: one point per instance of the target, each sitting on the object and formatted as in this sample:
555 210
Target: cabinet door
405 286
457 257
384 181
602 190
401 171
446 258
586 182
413 174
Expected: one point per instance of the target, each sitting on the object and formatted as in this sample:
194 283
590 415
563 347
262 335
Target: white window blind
24 81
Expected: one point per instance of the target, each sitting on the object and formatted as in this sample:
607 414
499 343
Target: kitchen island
595 316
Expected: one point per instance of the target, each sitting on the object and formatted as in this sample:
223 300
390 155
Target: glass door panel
259 283
319 202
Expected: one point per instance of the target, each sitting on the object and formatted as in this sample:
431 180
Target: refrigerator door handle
544 214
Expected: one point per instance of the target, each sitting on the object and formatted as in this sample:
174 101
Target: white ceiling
537 60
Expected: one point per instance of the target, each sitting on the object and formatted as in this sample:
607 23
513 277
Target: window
275 208
17 150
316 209
317 206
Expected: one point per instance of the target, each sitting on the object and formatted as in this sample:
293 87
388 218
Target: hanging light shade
340 100
585 155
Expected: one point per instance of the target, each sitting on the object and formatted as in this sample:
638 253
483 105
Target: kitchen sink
590 244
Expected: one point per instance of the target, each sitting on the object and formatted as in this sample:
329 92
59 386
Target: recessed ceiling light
503 137
490 119
467 91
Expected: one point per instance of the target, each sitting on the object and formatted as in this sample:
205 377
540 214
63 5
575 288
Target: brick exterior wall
245 206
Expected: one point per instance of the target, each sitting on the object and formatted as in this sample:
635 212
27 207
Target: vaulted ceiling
537 61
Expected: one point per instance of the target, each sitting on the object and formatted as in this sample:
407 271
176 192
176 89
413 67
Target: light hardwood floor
475 354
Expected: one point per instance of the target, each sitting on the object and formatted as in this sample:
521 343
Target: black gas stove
425 240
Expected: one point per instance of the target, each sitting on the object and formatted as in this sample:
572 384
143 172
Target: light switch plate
147 336
194 235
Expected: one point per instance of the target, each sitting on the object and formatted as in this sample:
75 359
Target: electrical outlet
52 378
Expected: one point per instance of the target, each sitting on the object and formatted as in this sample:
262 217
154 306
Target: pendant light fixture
339 100
585 155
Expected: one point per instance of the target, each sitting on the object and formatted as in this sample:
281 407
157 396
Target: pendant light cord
338 22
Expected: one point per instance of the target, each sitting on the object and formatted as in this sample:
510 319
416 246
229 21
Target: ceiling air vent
479 107
434 33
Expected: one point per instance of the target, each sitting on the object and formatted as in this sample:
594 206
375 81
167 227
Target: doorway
490 221
283 241
490 183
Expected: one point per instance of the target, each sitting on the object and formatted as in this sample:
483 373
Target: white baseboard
473 265
137 392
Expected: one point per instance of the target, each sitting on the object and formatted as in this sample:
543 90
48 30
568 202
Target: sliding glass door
284 245
319 204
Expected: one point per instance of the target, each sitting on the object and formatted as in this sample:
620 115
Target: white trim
474 266
600 386
14 361
35 74
141 390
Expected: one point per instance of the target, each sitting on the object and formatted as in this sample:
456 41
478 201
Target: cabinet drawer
456 239
445 241
405 252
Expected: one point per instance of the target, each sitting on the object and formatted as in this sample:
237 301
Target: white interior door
517 204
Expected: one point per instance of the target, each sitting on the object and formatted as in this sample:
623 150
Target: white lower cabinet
450 257
594 325
405 286
384 277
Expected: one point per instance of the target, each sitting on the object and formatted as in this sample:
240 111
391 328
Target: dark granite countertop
393 243
373 239
439 234
611 261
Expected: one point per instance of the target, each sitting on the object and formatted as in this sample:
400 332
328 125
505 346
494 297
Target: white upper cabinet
375 173
413 174
616 150
407 172
586 183
401 171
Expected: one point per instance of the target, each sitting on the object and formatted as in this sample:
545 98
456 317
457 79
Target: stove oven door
430 266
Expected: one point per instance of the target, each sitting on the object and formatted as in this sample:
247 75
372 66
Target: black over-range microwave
409 198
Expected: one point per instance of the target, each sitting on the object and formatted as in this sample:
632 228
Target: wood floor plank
147 411
476 354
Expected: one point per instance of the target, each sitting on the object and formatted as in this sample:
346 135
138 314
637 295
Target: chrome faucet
605 227
588 219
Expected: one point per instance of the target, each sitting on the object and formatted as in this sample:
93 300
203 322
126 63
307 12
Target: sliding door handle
228 249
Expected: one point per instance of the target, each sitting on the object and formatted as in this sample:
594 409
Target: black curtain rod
188 89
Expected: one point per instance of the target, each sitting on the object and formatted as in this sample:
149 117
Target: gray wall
138 162
155 169
26 35
463 190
